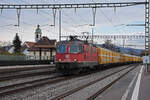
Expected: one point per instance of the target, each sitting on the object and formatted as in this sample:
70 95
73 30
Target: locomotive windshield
75 48
61 48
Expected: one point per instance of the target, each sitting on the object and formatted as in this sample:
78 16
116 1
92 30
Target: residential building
43 49
26 46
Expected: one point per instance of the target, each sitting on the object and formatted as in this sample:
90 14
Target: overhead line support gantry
84 5
58 6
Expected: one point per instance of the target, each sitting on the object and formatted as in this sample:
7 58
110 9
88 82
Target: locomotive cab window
87 49
91 50
75 48
61 48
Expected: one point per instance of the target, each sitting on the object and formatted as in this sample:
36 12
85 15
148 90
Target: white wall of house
11 50
44 54
26 52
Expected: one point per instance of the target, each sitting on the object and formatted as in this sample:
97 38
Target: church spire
38 33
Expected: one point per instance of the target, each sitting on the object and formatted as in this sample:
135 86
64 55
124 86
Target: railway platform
134 86
24 67
144 92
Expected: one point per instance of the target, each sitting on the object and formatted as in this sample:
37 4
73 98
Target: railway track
16 72
10 89
16 88
107 86
11 69
6 90
13 88
17 76
71 94
10 79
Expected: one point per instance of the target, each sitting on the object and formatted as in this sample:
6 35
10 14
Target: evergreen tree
17 44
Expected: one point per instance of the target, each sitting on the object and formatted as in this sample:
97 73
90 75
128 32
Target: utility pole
123 43
92 35
147 35
60 24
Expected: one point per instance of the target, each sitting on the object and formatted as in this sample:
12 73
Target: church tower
38 33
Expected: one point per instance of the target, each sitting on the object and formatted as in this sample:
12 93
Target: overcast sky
108 21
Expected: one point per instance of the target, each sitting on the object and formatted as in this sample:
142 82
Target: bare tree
108 45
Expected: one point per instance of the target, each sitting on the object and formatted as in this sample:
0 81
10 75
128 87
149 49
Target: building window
75 48
34 53
61 48
37 36
45 53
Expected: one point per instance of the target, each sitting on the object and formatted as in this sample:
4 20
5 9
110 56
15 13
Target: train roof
117 52
64 42
130 55
76 41
105 49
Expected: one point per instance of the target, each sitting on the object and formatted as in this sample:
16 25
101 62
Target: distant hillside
131 51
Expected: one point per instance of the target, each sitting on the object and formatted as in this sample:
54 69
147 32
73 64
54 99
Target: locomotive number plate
67 56
67 60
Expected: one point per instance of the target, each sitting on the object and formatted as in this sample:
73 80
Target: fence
38 58
24 58
10 60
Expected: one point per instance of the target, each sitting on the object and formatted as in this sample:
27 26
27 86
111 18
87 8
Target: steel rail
6 78
35 83
107 86
84 86
6 90
18 69
15 88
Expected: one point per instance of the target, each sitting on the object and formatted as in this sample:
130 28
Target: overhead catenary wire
107 18
70 18
54 15
9 18
83 19
48 15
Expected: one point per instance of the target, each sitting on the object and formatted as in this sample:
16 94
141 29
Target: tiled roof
44 43
30 44
27 45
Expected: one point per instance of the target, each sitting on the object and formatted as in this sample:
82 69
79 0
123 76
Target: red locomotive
75 55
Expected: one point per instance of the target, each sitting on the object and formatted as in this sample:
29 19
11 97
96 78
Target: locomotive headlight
59 59
75 59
